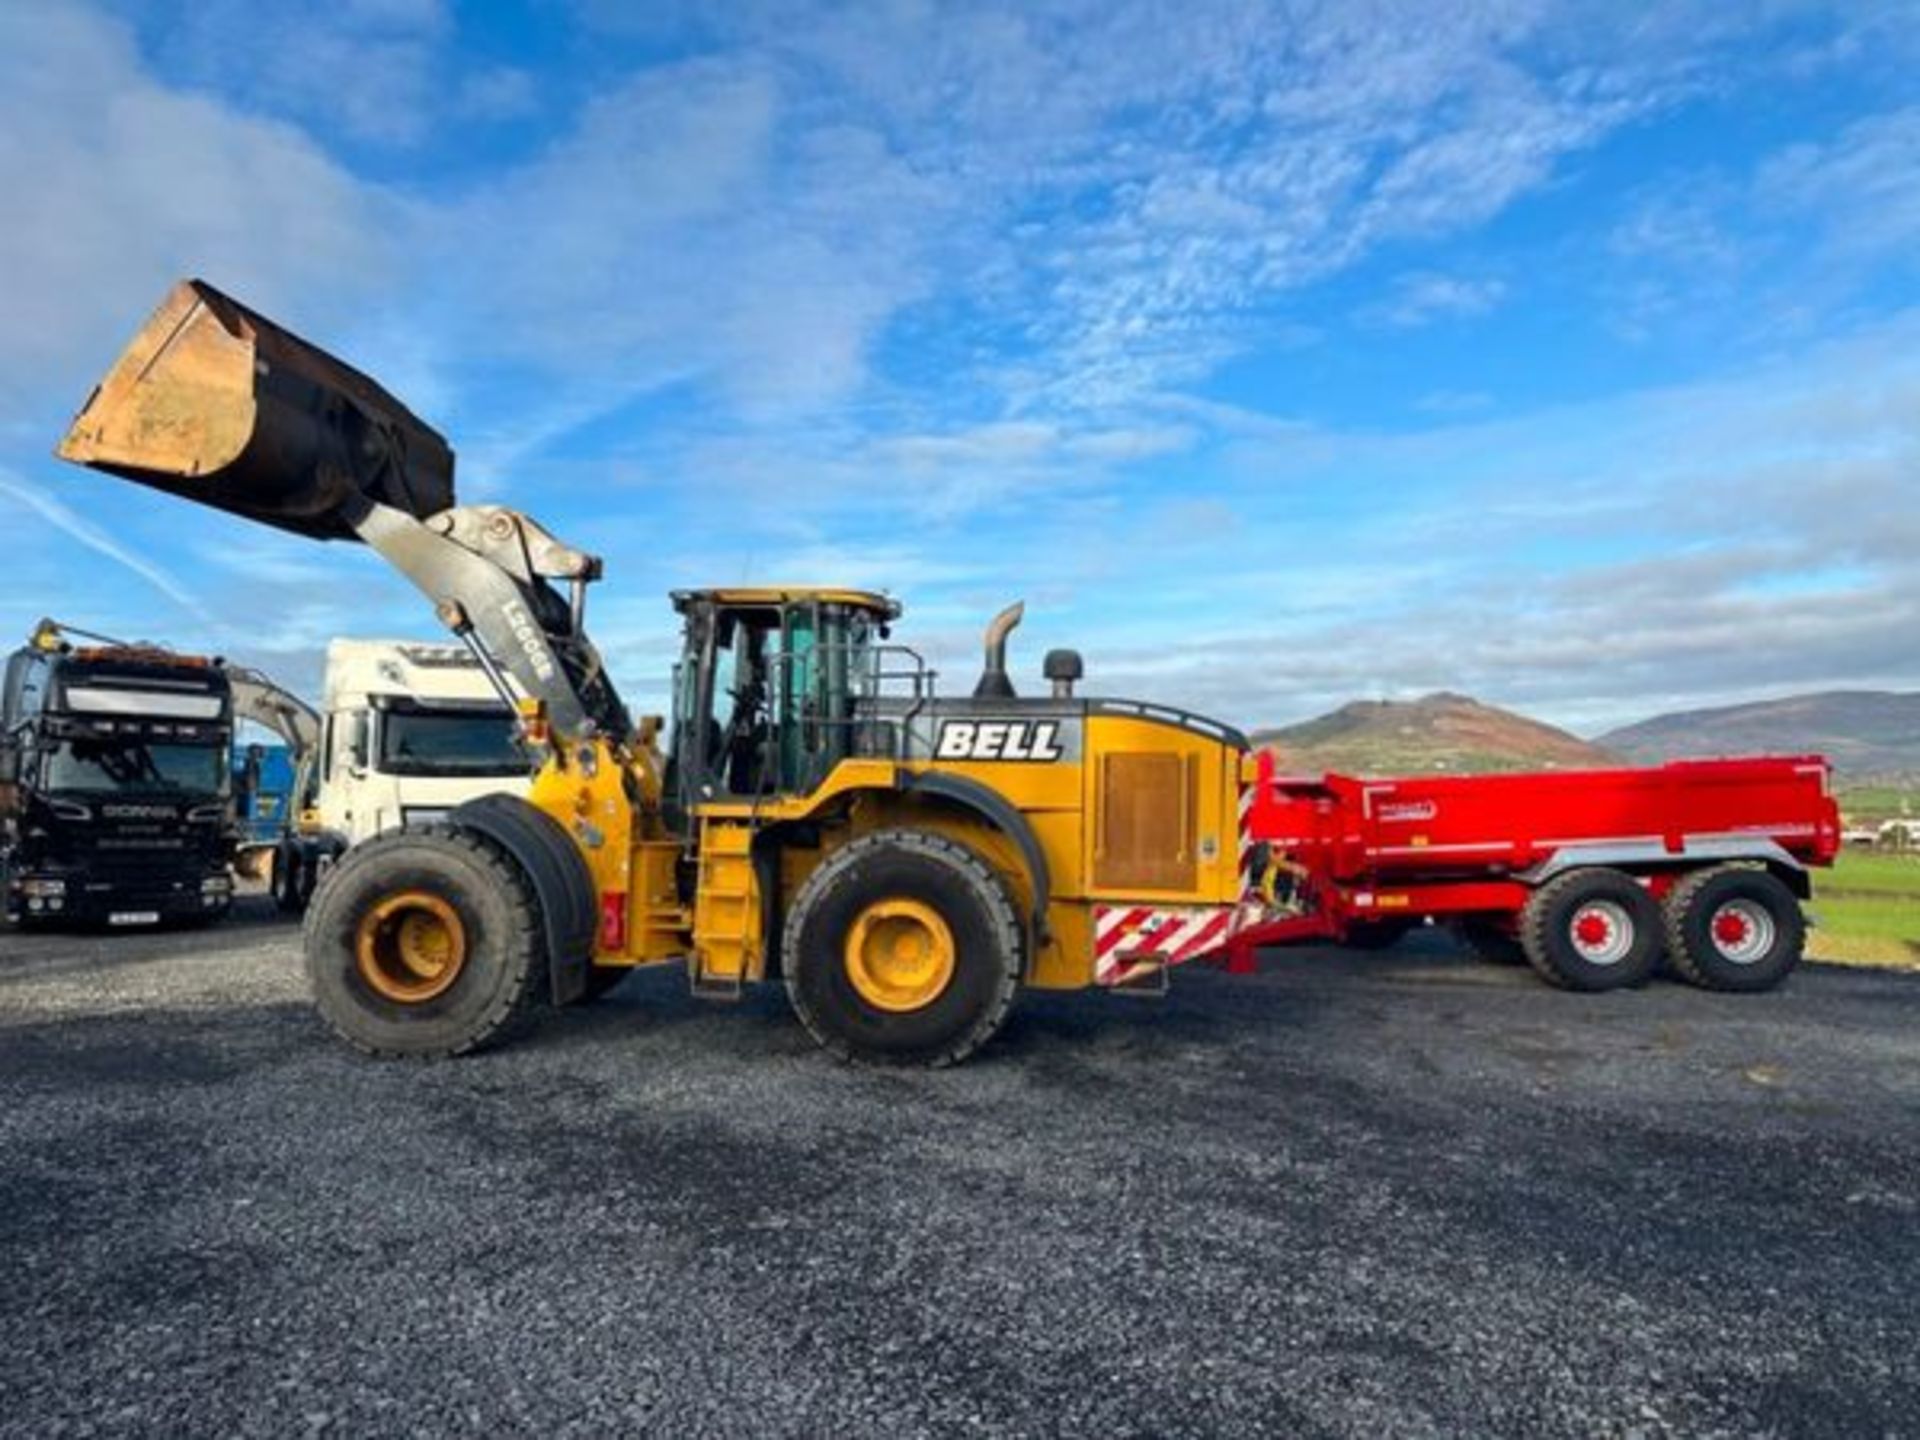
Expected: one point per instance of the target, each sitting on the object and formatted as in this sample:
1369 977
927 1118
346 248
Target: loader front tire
1592 929
425 943
903 948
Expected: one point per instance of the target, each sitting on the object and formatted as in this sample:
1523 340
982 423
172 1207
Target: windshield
105 767
447 743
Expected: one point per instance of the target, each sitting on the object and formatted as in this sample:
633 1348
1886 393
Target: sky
1277 354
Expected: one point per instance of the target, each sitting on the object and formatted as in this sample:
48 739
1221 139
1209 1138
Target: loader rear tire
1592 929
425 943
903 948
1733 928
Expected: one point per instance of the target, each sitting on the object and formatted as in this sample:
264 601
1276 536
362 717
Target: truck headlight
33 888
216 885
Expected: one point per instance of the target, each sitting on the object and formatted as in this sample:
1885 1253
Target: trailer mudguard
558 873
998 812
1693 852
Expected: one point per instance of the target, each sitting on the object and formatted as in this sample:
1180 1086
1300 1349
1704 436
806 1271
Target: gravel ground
1356 1195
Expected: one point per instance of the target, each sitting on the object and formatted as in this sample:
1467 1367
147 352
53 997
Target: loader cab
766 690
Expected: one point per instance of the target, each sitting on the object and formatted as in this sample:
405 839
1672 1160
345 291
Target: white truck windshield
438 742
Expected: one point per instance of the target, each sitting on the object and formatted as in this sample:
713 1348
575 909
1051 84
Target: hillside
1866 733
1441 731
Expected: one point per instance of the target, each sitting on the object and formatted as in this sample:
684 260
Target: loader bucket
219 405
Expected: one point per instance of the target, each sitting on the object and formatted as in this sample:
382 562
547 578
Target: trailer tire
1492 942
1592 929
903 948
1733 928
425 943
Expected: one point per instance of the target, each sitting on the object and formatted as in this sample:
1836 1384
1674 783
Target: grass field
1870 804
1869 911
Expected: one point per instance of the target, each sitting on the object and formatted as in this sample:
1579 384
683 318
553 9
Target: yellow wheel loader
904 861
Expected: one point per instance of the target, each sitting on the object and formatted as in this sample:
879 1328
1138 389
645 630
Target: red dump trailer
1590 876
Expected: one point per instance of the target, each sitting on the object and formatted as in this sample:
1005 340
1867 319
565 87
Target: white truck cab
408 731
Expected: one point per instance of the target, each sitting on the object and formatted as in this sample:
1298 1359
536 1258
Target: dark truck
115 783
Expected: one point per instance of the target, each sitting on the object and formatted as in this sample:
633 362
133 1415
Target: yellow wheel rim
899 955
410 947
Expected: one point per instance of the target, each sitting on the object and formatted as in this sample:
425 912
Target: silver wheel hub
1601 932
1743 932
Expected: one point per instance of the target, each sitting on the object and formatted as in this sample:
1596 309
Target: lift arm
218 405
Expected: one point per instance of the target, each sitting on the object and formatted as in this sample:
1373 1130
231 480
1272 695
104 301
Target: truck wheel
903 948
425 942
1592 929
284 881
1492 942
1375 934
1731 928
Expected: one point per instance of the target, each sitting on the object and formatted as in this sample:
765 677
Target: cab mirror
9 762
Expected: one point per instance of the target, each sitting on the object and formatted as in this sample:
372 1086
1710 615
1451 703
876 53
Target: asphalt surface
1356 1195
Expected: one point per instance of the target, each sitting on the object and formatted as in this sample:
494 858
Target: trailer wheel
903 948
1492 942
426 943
1592 929
1732 928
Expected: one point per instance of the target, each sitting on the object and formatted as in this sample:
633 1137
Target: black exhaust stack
994 684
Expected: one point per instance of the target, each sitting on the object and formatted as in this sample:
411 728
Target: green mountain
1442 731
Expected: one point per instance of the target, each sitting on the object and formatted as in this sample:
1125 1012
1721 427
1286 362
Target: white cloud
685 232
1453 402
1862 188
1424 296
375 70
121 186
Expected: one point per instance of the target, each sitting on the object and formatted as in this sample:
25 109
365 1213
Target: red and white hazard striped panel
1248 880
1131 939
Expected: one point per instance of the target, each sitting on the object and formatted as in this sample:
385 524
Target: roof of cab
785 594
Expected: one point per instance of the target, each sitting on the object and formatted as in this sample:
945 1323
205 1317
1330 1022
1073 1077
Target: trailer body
1365 857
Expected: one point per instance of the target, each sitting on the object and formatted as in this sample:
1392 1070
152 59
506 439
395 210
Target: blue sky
1567 355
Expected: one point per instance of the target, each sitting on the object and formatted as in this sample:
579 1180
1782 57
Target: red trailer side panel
1421 828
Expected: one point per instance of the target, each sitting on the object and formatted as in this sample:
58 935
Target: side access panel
1162 810
1144 821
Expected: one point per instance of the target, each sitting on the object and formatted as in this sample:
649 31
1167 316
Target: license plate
134 917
